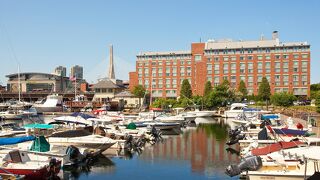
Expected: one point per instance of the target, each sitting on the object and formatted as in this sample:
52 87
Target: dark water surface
197 153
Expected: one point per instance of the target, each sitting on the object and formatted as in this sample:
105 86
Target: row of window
164 57
257 50
258 57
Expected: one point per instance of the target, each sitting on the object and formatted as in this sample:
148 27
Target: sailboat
20 105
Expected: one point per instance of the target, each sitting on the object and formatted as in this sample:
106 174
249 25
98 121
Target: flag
72 78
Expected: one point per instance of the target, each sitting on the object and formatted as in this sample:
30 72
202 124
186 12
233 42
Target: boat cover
286 131
269 116
275 147
40 144
39 126
251 109
84 116
15 140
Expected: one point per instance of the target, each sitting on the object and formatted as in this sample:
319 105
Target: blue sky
40 35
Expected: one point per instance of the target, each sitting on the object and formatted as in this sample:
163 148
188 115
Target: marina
202 147
158 90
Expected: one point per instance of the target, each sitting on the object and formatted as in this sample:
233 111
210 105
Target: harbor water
198 152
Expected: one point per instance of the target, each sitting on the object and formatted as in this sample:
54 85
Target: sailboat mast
19 88
75 89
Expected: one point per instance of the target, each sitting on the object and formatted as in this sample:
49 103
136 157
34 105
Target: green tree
220 95
318 102
243 89
207 89
185 91
139 91
314 90
283 99
164 103
264 91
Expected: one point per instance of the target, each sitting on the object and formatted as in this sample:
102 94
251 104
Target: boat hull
41 173
41 109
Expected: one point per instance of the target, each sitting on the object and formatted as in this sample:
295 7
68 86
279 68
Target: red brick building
286 66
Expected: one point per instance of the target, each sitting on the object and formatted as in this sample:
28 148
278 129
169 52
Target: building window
304 56
197 57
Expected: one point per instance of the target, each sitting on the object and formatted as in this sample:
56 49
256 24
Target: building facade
60 71
34 82
285 65
106 89
76 71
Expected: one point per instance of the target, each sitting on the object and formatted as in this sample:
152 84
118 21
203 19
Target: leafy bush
283 99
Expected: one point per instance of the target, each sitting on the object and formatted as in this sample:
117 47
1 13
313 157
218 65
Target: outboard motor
74 154
51 174
156 134
128 143
263 135
252 126
235 139
265 122
251 163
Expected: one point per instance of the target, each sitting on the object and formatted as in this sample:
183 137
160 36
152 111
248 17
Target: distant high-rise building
77 72
111 66
60 71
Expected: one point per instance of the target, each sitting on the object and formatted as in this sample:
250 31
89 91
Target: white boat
75 118
11 114
199 113
238 109
167 118
21 163
20 105
296 163
91 142
53 103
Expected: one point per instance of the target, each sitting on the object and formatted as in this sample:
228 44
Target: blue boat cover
84 116
290 132
252 109
269 116
15 140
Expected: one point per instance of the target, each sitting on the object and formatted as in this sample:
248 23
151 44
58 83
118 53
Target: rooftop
223 44
107 83
165 53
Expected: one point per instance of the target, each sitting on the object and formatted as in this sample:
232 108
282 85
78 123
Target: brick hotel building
285 65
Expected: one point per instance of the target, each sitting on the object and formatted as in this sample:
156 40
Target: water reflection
100 165
204 148
199 152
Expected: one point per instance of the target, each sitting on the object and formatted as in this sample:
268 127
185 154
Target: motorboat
76 118
53 103
20 163
4 106
11 115
237 109
20 105
199 113
294 163
168 118
94 142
